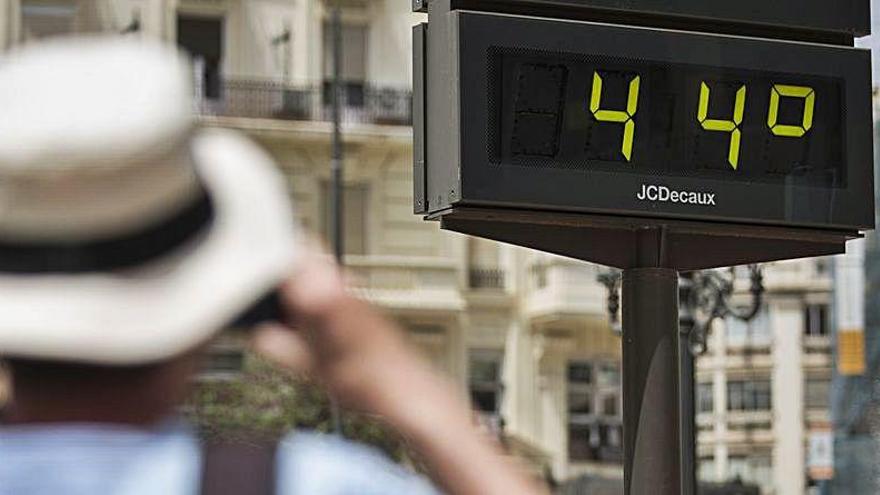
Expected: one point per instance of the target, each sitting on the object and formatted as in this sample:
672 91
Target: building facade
856 397
524 334
763 388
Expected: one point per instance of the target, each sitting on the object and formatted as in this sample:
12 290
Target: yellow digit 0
731 126
794 131
624 117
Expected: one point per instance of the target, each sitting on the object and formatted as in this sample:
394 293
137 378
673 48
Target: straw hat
127 235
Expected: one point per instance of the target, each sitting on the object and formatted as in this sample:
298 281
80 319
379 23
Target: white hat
127 235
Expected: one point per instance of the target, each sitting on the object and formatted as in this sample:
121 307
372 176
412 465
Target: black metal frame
460 172
614 240
561 211
841 16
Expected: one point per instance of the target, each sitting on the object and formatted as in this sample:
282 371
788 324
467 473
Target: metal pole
337 165
652 442
687 382
688 421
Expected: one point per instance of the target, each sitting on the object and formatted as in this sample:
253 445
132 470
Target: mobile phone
267 309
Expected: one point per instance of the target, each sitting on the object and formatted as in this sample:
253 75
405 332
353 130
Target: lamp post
284 39
704 297
337 167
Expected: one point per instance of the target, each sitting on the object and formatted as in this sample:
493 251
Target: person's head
128 236
54 391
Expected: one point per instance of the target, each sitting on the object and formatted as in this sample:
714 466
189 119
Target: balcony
560 288
361 104
749 427
796 275
404 284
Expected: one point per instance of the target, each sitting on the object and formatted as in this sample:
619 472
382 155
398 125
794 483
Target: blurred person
128 239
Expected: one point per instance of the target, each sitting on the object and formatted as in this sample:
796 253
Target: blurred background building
524 334
763 388
854 442
855 397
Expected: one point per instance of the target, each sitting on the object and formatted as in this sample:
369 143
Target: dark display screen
851 16
635 116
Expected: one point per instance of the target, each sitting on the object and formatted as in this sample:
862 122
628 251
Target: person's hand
365 363
360 357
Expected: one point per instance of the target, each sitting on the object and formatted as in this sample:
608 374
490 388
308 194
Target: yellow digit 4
795 131
731 126
624 117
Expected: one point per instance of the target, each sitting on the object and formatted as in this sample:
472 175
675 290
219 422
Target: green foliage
262 404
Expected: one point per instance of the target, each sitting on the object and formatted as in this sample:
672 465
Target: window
580 443
581 419
354 64
580 373
581 391
43 19
609 375
485 380
735 396
589 381
611 436
599 442
749 395
356 212
762 393
705 397
580 403
202 38
609 406
594 429
755 333
816 320
817 392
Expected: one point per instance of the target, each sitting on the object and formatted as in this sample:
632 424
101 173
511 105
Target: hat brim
176 303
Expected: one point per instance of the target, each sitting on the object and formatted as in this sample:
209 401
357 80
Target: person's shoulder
326 464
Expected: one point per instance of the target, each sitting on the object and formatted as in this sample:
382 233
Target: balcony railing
486 278
361 104
406 283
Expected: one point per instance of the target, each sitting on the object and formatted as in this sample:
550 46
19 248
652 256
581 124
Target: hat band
119 253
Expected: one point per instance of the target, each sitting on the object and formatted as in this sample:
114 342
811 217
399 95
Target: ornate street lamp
703 298
611 279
